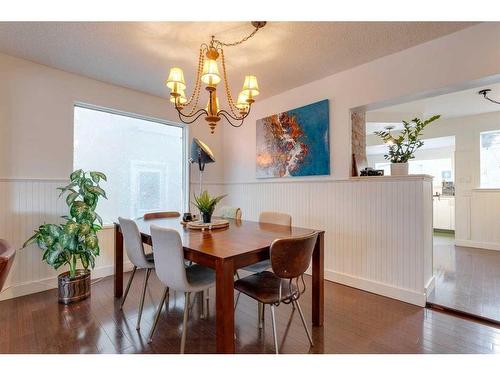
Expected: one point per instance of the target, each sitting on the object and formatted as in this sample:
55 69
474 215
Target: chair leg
184 321
167 301
303 322
141 305
237 299
260 313
275 337
201 304
128 287
207 300
158 311
238 296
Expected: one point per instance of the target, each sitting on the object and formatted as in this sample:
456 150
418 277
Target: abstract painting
294 143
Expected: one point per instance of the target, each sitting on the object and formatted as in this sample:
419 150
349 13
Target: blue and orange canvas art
294 143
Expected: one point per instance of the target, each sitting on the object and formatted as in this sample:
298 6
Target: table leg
318 281
118 281
225 305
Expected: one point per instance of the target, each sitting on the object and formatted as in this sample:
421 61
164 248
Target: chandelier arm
196 115
228 119
235 118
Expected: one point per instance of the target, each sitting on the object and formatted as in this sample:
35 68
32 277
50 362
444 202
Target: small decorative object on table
214 224
402 148
206 204
187 217
76 239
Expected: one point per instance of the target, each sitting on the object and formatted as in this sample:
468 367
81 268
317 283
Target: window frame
160 121
480 175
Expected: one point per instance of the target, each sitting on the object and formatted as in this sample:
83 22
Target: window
490 159
143 159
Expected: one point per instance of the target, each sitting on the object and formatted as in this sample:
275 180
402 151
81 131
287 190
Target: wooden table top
241 237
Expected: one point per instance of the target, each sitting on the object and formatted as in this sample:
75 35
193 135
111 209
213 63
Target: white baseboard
391 291
477 244
30 287
430 285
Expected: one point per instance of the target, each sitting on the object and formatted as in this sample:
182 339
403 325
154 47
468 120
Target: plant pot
73 289
399 169
207 218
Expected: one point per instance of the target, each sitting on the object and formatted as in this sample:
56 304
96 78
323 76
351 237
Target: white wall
444 62
36 155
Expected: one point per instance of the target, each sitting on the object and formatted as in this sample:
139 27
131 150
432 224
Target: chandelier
208 74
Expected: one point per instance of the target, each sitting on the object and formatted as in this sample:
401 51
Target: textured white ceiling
283 55
456 104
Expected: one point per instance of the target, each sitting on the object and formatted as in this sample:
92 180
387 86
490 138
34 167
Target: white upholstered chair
278 218
173 274
135 252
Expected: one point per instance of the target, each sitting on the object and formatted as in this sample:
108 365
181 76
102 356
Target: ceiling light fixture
389 139
484 93
208 74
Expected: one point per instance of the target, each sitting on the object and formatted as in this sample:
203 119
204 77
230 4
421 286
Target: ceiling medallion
208 74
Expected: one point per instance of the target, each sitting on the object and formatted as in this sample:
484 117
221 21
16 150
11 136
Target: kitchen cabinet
444 212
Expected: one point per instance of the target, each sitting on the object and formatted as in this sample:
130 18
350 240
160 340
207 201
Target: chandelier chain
198 72
220 43
230 100
197 88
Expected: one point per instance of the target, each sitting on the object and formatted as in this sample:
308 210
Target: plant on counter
206 204
402 148
76 239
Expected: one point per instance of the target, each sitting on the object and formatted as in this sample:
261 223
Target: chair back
161 215
7 255
278 218
229 212
133 242
169 258
291 256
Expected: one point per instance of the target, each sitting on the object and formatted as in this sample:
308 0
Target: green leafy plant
205 203
403 147
76 239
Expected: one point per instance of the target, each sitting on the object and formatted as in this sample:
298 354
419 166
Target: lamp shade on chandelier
208 75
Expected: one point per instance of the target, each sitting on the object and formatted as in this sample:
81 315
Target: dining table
226 250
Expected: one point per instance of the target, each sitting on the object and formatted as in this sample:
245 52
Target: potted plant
403 147
206 204
75 240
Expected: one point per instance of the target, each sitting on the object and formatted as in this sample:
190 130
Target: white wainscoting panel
378 230
24 205
478 211
485 218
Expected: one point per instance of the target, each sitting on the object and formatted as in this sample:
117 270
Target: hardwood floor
355 322
467 279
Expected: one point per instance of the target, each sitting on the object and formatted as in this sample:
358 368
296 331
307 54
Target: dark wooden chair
7 254
290 257
161 215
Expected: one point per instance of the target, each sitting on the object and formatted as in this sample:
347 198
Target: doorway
462 152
